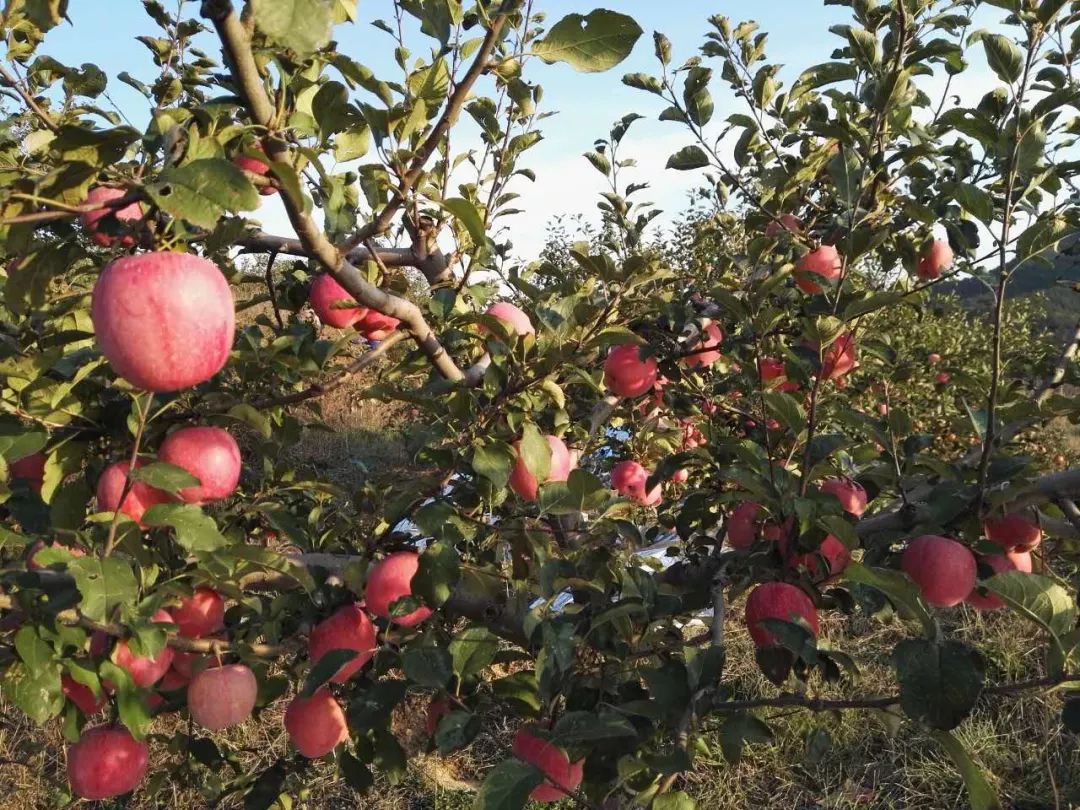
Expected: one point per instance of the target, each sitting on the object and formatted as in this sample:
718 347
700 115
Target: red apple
106 761
316 725
524 483
936 259
839 358
998 563
81 695
389 580
200 614
208 453
706 351
185 664
348 628
934 358
144 671
30 469
132 212
374 325
823 262
680 476
629 478
517 322
834 552
140 497
626 373
255 166
436 710
173 680
850 493
223 696
31 560
742 526
785 222
943 569
943 378
325 292
1013 532
560 774
778 600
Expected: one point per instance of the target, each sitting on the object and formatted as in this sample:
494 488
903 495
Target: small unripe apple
81 695
30 469
316 725
778 600
943 569
742 525
208 453
850 493
936 259
132 212
705 347
200 614
524 483
105 762
325 292
164 321
518 322
223 696
560 774
629 478
255 166
822 262
144 671
348 628
140 497
1013 532
390 579
997 564
626 373
374 325
785 222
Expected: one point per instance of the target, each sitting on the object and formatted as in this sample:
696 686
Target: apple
389 580
30 469
81 695
943 378
325 292
834 552
437 709
144 671
316 725
31 560
208 453
200 614
934 358
706 351
105 762
374 325
140 497
626 373
517 322
222 697
850 493
771 370
255 166
1013 532
839 358
943 569
785 222
937 258
347 628
524 483
560 774
628 478
132 212
173 680
824 262
680 476
742 526
185 664
996 564
778 600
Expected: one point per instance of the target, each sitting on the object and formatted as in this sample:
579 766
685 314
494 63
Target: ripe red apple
144 671
211 455
560 774
680 476
518 322
436 710
186 663
81 695
173 680
139 498
943 378
934 358
1013 532
824 262
374 325
524 483
626 374
30 469
943 569
742 526
998 563
324 293
936 259
706 351
223 696
777 600
31 560
839 358
628 478
348 628
389 580
316 725
850 493
200 614
164 321
106 761
836 555
255 166
785 222
132 212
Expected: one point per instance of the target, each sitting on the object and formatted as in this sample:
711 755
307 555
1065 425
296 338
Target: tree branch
8 79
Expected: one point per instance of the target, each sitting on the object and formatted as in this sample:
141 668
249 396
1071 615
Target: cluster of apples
330 301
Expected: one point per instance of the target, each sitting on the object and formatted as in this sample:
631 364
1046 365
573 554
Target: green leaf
300 25
104 584
428 666
32 649
494 461
507 786
203 191
472 650
674 801
975 201
439 572
455 731
577 727
981 794
535 452
36 693
130 699
167 477
820 75
326 668
900 590
739 729
939 682
786 409
1036 597
643 81
689 157
590 44
1003 56
846 173
195 531
466 212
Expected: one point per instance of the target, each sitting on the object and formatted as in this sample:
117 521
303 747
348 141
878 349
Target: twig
271 289
129 482
8 79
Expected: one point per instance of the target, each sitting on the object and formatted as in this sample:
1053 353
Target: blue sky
103 32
